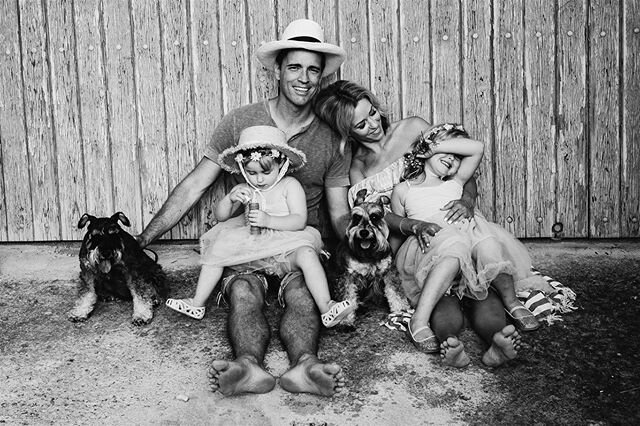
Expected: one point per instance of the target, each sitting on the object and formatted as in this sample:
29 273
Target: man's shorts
230 277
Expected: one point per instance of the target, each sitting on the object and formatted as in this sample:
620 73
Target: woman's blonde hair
336 103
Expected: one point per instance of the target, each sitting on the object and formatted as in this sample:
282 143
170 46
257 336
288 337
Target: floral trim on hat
423 149
257 155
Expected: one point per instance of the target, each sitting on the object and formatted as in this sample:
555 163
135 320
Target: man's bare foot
453 354
310 375
243 375
506 343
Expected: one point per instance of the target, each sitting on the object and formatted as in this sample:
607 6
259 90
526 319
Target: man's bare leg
299 331
249 336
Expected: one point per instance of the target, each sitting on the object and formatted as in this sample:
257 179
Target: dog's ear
360 196
84 219
384 200
122 218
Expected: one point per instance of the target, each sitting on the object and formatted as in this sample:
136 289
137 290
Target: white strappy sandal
186 308
337 312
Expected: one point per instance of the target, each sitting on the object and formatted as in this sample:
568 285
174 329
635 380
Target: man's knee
296 293
246 290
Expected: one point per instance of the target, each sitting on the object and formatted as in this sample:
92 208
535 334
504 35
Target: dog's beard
368 243
104 263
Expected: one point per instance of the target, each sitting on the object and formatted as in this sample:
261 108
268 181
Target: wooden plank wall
106 105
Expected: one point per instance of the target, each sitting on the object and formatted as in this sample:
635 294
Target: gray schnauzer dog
114 266
365 260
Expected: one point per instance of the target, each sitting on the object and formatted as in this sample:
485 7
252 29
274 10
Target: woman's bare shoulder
413 124
406 131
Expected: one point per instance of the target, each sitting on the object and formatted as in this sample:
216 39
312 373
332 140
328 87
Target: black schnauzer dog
114 266
365 260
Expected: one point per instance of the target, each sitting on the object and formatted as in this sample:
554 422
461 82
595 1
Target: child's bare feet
453 354
243 375
506 343
310 375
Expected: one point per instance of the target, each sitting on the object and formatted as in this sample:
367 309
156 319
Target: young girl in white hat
284 242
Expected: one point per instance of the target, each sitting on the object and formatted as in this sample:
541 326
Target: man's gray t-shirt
325 167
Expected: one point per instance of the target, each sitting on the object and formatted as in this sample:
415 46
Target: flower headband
422 149
429 138
257 154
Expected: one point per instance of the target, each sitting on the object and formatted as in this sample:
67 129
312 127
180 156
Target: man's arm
181 199
338 208
464 207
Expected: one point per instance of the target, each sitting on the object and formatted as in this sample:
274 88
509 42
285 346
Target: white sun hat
303 34
271 140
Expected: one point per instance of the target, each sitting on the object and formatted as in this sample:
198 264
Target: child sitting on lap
276 239
481 253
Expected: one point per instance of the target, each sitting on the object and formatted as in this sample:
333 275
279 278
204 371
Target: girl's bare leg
209 277
435 286
307 260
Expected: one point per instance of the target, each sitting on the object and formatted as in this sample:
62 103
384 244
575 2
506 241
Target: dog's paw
138 321
142 316
74 317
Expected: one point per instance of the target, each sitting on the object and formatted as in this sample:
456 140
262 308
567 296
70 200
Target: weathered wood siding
106 105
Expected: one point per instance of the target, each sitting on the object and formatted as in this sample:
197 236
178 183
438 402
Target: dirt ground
583 370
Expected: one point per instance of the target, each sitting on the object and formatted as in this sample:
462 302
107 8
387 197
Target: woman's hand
458 210
423 232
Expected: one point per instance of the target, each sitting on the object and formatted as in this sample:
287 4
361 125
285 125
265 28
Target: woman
378 150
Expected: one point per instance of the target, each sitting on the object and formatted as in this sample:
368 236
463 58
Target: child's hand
259 218
240 194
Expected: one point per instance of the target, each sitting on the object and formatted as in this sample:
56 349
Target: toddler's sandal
526 322
427 345
186 308
337 312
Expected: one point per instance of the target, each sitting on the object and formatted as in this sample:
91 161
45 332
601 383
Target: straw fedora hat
303 34
263 138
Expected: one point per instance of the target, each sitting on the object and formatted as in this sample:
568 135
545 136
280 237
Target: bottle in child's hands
254 205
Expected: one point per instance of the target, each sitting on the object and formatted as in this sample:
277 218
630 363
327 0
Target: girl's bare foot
505 346
453 354
243 375
310 375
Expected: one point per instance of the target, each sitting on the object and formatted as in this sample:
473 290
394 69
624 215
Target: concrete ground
107 371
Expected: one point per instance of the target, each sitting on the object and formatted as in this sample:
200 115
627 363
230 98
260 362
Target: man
300 59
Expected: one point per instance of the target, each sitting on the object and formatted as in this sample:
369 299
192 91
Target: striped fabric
547 307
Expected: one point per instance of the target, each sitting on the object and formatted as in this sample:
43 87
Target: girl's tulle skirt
496 251
414 266
230 244
490 250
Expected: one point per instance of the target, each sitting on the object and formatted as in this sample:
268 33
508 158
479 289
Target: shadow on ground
582 370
